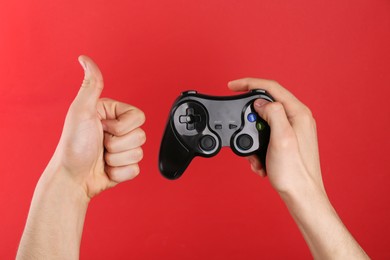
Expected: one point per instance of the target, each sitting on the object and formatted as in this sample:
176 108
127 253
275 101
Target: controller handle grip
261 153
174 157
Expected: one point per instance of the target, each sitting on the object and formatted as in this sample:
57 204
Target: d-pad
190 118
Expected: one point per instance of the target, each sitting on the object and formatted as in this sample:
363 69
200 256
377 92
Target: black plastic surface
199 125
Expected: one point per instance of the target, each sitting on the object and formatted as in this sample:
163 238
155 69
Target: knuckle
249 82
105 99
108 158
306 111
314 124
273 83
287 142
138 154
119 128
98 79
247 79
93 81
141 136
140 116
274 107
86 83
306 116
112 172
135 171
109 144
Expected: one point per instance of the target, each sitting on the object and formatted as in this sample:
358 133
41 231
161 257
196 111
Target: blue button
252 117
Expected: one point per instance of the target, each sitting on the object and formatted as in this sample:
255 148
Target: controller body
200 125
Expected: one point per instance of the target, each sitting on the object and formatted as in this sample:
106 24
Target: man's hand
101 141
293 168
100 146
292 154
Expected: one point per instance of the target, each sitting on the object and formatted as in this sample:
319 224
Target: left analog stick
207 143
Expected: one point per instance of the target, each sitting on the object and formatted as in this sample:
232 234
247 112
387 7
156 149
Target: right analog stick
244 142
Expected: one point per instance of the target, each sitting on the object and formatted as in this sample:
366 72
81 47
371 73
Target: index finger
119 118
291 104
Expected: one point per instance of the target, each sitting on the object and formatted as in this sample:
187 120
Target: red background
334 55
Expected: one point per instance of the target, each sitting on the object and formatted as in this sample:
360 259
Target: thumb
92 85
275 115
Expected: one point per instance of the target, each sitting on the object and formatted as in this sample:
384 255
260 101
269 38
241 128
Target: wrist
56 217
300 187
324 232
59 182
304 196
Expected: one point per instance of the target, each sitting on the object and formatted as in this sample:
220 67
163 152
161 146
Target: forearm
324 232
56 218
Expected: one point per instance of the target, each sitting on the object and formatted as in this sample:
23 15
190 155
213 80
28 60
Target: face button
207 143
260 125
244 142
251 117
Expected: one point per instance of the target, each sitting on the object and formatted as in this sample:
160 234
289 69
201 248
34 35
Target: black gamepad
199 125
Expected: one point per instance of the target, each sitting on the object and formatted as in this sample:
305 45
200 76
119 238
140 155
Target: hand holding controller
199 125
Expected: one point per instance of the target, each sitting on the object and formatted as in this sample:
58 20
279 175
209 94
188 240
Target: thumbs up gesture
100 145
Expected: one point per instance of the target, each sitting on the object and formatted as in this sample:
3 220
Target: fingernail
253 168
260 102
83 64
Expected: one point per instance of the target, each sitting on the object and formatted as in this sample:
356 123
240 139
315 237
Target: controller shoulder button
189 92
262 91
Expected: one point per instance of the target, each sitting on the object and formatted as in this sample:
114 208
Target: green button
260 126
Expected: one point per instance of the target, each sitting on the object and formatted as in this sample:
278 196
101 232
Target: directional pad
190 118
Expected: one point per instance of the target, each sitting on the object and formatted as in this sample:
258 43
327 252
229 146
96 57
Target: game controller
199 125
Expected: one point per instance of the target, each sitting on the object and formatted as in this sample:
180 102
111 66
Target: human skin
293 168
100 146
